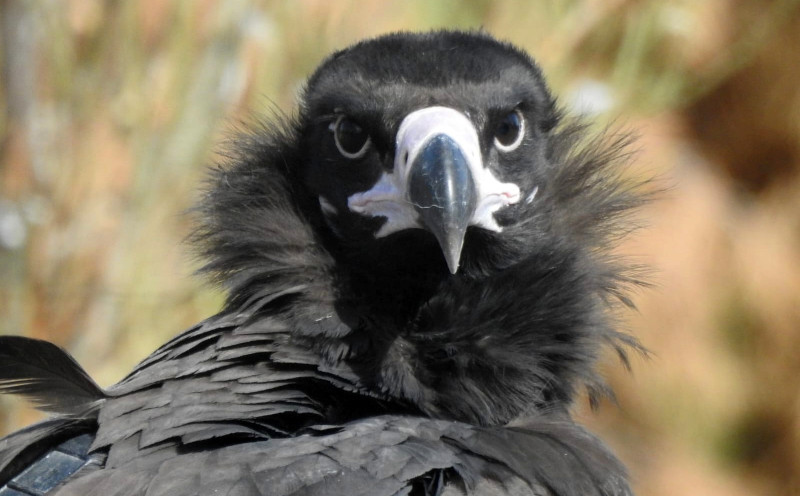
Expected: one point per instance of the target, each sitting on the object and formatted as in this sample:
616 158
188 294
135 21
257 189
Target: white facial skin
388 197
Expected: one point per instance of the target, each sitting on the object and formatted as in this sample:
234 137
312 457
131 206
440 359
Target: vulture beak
438 182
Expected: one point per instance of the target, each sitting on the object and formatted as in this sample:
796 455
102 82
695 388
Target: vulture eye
509 132
351 139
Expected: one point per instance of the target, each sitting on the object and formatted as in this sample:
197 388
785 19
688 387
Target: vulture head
446 229
434 141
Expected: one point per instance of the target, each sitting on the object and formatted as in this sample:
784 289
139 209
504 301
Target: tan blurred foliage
110 111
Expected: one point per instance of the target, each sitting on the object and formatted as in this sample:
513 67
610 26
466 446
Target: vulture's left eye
509 132
351 139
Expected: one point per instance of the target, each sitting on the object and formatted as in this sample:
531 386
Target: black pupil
350 136
508 129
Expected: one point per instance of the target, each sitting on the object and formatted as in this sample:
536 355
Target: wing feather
48 377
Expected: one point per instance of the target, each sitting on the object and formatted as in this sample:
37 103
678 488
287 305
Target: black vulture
420 281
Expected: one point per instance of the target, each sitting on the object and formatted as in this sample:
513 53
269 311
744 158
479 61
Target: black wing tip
48 377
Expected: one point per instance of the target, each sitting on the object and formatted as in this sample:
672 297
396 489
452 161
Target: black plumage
408 313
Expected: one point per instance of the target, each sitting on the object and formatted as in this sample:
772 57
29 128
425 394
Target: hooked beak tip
452 255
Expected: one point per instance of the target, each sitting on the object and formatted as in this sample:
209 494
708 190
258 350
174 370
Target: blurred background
111 111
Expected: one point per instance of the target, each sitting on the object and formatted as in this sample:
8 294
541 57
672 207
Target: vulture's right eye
351 139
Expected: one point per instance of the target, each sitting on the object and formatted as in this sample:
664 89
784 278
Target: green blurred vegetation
111 111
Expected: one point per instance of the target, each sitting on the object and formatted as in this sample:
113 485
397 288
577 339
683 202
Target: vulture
421 277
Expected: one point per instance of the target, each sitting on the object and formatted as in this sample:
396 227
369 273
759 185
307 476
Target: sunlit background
110 112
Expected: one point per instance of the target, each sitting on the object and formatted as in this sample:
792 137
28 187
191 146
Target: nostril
405 157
